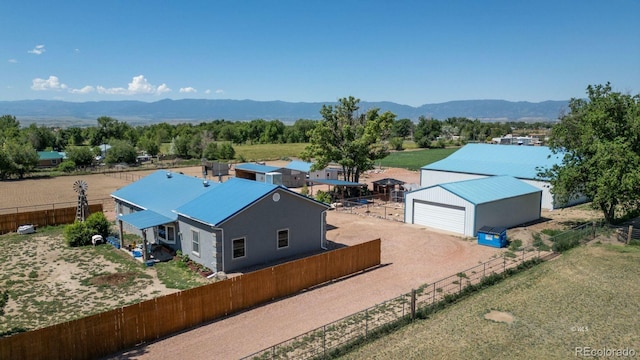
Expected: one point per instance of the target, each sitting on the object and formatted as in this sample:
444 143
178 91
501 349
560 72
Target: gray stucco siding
208 251
123 208
260 222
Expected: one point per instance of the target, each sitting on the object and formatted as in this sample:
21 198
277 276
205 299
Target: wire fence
108 203
322 341
373 206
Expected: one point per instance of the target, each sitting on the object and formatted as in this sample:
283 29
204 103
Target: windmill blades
80 186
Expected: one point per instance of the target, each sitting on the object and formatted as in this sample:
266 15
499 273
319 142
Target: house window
239 248
167 233
283 238
195 242
54 161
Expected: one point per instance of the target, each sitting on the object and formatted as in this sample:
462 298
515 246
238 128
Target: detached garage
464 207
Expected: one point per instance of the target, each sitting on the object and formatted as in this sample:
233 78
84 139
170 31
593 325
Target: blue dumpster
492 236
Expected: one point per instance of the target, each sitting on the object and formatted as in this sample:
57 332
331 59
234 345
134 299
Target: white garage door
439 216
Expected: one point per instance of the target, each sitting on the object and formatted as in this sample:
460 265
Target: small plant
323 196
33 274
4 298
515 244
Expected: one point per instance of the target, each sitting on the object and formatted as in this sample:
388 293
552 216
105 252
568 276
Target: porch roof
145 219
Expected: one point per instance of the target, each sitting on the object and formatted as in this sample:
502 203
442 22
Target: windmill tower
80 186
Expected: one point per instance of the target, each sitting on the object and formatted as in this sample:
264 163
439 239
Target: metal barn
464 207
477 161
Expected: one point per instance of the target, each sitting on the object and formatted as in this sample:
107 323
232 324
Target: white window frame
165 238
233 250
193 251
278 239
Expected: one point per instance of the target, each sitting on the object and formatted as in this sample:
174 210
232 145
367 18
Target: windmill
80 186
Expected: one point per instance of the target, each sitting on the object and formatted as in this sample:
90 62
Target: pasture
415 159
588 297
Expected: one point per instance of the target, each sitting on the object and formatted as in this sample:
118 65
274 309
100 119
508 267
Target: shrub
77 234
515 244
396 143
4 297
67 166
80 233
99 224
323 196
565 243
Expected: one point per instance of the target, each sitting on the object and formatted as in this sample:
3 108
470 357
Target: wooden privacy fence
116 330
48 217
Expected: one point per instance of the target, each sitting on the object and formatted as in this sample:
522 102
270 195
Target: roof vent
169 174
205 183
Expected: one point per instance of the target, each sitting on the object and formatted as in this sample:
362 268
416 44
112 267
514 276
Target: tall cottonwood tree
600 139
349 138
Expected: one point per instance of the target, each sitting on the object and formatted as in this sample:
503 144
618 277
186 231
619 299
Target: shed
49 158
254 171
389 189
463 207
476 161
492 236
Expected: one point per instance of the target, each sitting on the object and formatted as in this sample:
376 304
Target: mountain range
196 110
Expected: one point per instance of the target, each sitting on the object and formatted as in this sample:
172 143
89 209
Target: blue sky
409 52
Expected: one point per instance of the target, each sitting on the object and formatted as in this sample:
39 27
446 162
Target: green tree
80 155
226 151
9 127
600 140
211 152
149 145
23 158
426 131
349 138
121 152
402 128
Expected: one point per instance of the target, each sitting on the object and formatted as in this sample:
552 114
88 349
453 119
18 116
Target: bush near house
80 233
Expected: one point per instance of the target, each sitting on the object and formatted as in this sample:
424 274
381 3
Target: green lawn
588 297
268 151
415 159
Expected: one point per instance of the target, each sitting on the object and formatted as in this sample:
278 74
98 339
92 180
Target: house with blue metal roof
476 161
224 226
463 207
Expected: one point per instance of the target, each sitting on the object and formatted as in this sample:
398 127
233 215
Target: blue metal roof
225 200
257 168
145 219
299 165
486 159
479 191
161 193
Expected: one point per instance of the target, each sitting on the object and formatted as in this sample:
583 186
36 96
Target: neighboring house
475 161
224 226
50 158
464 207
255 172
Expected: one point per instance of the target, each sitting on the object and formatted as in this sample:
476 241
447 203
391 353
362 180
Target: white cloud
13 61
163 89
219 91
52 83
38 50
208 91
188 90
76 51
85 90
138 85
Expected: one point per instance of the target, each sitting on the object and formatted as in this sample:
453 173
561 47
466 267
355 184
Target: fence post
594 229
324 340
522 254
629 234
433 297
413 304
484 269
366 323
504 264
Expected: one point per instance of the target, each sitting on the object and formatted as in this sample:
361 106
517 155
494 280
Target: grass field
268 151
588 297
415 159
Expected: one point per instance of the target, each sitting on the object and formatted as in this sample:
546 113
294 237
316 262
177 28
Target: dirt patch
499 316
112 279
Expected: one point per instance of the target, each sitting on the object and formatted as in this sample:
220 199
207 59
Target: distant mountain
139 112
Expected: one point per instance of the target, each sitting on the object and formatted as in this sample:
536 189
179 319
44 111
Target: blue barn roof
480 191
257 168
522 162
299 165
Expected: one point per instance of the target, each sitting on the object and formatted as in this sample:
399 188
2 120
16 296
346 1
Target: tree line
211 140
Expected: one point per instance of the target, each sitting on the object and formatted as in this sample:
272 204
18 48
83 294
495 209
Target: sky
405 51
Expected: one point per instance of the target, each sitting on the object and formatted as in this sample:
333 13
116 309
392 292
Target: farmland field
586 298
415 159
